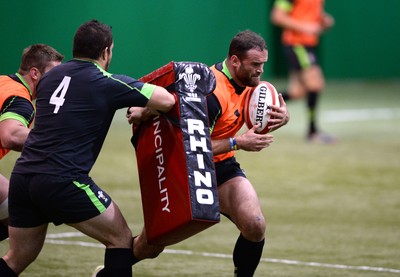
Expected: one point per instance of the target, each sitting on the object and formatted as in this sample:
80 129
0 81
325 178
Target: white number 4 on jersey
58 96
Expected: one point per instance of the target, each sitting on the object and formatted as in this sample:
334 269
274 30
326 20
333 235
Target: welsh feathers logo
101 196
190 78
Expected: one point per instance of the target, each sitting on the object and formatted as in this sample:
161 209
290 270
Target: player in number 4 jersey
50 181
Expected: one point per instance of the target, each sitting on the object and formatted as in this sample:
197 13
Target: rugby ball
257 104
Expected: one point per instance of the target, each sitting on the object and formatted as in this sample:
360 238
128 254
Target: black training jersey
75 104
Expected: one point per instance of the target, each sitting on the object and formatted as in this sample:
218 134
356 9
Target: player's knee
316 85
255 230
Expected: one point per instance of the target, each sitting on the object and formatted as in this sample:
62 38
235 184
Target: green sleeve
15 116
285 5
148 90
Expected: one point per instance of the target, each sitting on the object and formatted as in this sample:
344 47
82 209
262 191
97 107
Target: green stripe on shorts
302 56
100 207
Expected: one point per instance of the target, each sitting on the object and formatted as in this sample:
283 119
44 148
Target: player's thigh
313 78
239 201
109 227
296 88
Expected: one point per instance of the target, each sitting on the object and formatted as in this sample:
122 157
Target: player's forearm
15 140
221 146
161 100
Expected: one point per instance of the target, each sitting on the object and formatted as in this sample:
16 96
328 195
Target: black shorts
228 169
300 57
36 199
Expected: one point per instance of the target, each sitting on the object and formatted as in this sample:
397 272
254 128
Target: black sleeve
20 106
214 109
127 92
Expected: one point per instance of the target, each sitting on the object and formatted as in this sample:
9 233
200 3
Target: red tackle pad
175 162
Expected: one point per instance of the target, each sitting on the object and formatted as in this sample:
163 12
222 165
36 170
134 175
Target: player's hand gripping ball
257 105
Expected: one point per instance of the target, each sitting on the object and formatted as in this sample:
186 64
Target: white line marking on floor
65 235
53 239
361 114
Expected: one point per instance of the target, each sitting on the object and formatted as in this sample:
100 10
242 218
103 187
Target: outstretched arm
13 134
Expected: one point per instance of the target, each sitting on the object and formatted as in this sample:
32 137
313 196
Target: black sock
117 262
5 270
246 256
3 231
312 99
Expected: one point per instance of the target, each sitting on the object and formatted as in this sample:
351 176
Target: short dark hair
91 39
245 41
39 56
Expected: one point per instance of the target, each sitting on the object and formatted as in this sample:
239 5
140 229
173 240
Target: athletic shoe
322 138
97 270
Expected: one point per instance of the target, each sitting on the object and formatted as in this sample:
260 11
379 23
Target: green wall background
148 34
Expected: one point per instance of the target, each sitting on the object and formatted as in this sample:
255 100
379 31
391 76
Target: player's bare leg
313 81
309 83
25 246
239 201
141 250
296 89
111 229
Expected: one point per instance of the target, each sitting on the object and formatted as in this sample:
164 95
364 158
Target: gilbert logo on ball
258 103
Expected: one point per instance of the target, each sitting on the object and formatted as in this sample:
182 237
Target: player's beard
247 78
254 80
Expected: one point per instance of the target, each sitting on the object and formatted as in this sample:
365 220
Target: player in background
238 199
303 22
17 91
76 102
